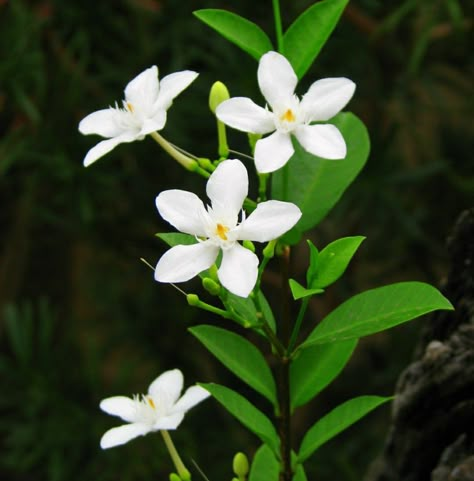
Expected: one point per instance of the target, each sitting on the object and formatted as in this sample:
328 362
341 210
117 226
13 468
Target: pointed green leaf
238 30
240 356
298 291
376 310
314 184
265 466
332 261
316 367
267 310
243 306
307 35
313 261
337 421
246 413
300 475
177 238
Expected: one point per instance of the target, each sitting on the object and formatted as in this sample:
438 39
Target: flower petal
121 406
273 152
269 221
183 210
142 91
123 434
154 124
103 122
170 383
182 263
172 85
106 146
227 188
327 97
193 395
276 78
170 422
243 114
238 270
322 140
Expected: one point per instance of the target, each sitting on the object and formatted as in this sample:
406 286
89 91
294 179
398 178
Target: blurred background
81 317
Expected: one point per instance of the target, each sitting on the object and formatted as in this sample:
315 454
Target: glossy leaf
337 421
300 475
240 356
376 310
238 30
242 306
298 291
332 261
307 35
265 466
246 413
316 367
314 184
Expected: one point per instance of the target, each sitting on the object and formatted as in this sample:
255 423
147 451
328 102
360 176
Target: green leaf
240 356
244 307
177 238
300 475
316 367
376 310
332 261
307 35
238 30
298 291
246 413
267 311
265 467
336 421
314 184
313 261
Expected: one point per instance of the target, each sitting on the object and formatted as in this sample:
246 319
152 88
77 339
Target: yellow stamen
130 107
221 231
151 402
289 116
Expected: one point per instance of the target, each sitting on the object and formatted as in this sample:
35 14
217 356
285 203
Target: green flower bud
185 475
241 465
269 250
253 140
211 286
174 477
193 299
213 273
249 245
217 95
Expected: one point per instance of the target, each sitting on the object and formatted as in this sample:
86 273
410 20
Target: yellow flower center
151 402
289 116
130 107
221 231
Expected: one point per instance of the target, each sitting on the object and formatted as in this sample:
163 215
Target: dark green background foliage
82 318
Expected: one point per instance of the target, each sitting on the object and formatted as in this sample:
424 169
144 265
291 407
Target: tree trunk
431 437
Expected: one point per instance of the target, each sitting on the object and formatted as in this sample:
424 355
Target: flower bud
193 299
217 95
269 249
174 477
211 286
240 465
249 245
185 475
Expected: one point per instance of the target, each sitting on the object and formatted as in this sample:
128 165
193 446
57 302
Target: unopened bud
185 475
193 299
269 249
217 95
249 245
212 271
174 477
240 465
211 286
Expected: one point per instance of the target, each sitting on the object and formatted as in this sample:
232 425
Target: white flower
143 111
289 115
159 410
217 228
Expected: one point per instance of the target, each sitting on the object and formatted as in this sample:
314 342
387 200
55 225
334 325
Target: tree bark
431 437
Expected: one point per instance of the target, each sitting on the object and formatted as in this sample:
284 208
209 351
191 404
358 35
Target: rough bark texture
432 431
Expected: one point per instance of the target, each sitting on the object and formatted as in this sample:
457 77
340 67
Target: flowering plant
313 153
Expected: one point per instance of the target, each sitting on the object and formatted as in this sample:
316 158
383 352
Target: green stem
187 162
193 300
183 473
262 187
223 147
297 327
278 27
